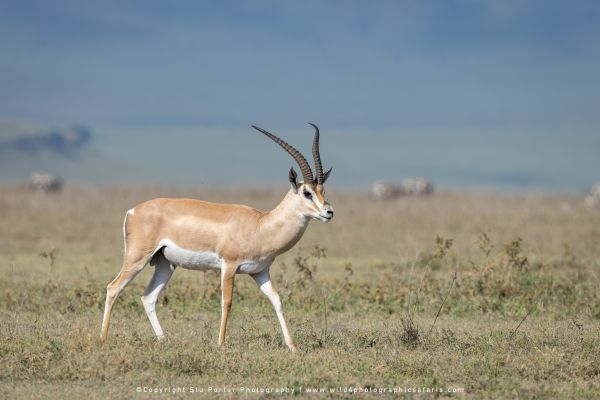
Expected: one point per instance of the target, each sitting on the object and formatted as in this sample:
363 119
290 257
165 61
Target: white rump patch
125 230
132 211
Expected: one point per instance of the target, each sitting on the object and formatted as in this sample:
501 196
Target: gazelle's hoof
161 338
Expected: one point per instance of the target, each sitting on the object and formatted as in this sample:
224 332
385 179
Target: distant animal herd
46 182
418 186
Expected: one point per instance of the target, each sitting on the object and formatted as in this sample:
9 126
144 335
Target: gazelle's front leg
263 280
227 279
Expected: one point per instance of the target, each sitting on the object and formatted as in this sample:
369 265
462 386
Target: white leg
263 280
162 273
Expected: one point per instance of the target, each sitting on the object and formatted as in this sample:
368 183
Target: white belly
190 259
204 260
252 267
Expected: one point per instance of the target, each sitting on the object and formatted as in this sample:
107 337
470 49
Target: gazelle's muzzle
326 213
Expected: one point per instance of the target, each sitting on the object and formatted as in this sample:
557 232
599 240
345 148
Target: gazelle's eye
307 194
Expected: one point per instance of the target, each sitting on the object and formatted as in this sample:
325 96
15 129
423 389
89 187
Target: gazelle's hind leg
114 289
163 270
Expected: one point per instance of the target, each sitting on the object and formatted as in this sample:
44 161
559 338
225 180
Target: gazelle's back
194 225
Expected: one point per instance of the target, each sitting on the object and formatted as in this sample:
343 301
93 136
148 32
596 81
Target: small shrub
484 244
411 334
514 253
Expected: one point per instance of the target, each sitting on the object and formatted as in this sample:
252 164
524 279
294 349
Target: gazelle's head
310 193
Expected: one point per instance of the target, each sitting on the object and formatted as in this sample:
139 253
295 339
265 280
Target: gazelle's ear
294 180
326 175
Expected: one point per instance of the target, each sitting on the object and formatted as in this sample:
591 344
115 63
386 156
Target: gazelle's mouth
325 218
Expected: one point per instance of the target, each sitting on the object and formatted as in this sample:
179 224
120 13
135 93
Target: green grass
493 294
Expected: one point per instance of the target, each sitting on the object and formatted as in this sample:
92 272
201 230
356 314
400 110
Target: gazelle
234 239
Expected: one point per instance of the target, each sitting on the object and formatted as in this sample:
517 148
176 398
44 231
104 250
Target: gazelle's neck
282 227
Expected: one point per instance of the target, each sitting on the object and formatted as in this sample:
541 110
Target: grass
493 294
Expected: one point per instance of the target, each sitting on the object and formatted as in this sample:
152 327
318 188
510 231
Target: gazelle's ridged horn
317 156
302 163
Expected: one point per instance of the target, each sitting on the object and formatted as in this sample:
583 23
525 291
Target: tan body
238 239
195 234
235 232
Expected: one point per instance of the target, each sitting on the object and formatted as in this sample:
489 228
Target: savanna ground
496 295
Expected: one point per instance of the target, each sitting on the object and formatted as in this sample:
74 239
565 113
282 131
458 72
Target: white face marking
321 213
312 199
132 211
313 195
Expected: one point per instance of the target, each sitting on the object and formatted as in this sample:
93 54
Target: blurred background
467 93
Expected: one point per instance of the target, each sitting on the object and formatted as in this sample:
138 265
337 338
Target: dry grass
512 280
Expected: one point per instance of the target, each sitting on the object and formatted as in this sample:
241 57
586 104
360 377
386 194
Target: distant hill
67 142
68 152
209 156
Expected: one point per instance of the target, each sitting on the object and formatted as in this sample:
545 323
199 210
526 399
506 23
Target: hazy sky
505 67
